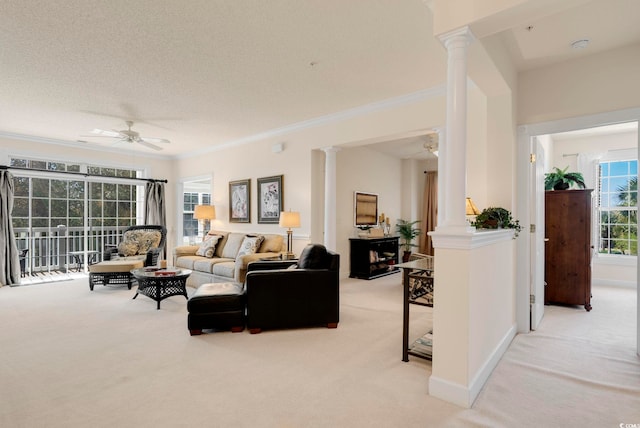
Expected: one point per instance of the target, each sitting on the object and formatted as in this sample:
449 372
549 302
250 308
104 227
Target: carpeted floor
75 358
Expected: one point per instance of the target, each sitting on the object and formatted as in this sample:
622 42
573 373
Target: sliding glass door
54 217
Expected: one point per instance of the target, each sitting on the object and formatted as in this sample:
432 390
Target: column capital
459 34
331 149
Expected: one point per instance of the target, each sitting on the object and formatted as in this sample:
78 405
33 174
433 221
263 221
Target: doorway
527 263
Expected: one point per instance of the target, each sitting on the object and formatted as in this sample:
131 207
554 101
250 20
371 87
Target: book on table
167 272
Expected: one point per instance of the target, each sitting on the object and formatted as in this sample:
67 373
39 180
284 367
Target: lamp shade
471 208
204 212
289 219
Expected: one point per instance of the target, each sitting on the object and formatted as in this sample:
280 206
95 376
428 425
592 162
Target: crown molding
434 92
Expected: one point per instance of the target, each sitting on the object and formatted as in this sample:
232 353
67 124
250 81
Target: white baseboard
465 395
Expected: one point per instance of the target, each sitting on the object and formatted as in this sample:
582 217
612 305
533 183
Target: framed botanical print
239 201
270 200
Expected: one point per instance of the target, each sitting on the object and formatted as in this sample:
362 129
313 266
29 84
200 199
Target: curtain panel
154 207
9 258
429 218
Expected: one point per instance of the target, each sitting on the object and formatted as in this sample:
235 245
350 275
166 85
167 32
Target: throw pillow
250 245
148 240
128 247
208 246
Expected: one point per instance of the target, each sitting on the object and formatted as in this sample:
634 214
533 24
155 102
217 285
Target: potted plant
408 232
497 218
560 179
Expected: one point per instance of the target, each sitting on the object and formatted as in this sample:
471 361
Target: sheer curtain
9 259
428 222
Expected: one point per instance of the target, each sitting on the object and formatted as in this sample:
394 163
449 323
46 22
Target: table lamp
289 219
204 213
471 210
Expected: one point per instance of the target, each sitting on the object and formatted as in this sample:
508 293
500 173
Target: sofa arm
242 263
185 250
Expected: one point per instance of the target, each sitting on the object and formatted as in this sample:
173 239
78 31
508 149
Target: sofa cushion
272 244
208 246
250 245
232 246
221 243
187 261
206 265
128 258
226 269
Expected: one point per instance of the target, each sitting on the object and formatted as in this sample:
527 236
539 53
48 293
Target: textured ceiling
203 73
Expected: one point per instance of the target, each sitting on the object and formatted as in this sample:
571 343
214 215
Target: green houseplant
560 179
497 218
408 232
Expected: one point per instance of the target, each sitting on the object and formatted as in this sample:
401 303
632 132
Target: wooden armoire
568 247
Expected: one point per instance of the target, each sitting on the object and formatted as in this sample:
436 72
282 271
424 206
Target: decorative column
453 157
330 188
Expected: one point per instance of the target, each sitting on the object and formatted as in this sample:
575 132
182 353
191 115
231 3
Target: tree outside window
618 207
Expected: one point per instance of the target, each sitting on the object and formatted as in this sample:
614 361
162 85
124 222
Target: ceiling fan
129 136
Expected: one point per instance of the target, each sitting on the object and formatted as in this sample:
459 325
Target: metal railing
49 248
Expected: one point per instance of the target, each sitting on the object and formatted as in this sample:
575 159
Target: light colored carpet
75 358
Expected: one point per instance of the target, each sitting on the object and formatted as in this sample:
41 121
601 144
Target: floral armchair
142 242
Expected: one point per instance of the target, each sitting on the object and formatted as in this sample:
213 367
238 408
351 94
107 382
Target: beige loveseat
227 259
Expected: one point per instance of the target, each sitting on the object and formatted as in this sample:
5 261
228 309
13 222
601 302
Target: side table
423 347
78 258
158 284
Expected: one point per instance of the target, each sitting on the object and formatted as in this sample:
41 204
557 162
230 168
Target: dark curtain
9 259
154 206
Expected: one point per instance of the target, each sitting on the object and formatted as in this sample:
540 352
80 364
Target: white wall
598 83
363 169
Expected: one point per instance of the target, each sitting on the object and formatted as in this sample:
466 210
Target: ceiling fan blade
106 133
155 140
101 136
151 146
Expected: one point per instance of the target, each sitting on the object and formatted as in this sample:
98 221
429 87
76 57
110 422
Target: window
191 226
618 207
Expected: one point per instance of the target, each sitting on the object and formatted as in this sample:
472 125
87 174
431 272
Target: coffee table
159 284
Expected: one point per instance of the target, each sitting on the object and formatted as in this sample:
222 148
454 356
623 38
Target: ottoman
114 272
216 306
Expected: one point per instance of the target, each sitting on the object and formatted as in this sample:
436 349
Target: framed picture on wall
270 199
365 209
239 201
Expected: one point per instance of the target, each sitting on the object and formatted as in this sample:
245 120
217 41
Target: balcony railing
49 248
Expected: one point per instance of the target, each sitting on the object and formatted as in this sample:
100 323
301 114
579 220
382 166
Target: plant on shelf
560 179
497 218
408 232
